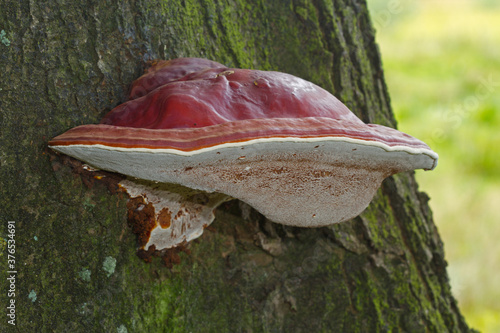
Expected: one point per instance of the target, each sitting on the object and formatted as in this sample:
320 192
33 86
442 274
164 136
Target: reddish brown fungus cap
220 95
166 71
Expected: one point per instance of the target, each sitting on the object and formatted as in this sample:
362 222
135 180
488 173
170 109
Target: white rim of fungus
409 150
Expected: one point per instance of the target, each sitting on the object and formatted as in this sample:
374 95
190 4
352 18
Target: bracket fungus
196 133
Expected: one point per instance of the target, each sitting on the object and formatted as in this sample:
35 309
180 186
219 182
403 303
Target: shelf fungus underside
195 134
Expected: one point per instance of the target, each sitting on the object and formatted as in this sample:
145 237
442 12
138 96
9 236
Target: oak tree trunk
66 63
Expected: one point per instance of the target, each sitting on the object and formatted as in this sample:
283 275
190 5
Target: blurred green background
442 66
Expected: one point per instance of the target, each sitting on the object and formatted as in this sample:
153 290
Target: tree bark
66 63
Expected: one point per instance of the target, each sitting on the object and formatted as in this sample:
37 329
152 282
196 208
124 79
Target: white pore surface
300 182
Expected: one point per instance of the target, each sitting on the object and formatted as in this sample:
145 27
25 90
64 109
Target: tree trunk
66 63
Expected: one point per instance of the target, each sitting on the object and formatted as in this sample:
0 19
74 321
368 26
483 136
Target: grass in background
442 67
